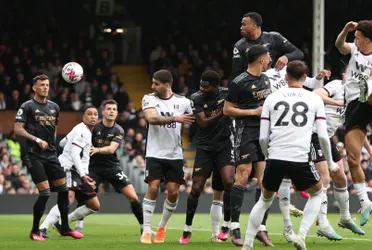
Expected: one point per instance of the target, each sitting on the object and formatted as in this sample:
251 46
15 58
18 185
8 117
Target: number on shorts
121 175
296 113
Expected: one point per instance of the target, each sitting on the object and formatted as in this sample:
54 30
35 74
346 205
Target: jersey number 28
299 118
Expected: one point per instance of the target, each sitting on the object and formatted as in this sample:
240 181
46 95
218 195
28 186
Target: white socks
148 207
311 211
51 218
284 194
80 213
322 217
342 198
168 210
216 216
255 219
361 192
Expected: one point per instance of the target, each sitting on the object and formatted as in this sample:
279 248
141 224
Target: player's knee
228 185
61 188
153 187
94 205
172 194
45 193
353 159
196 189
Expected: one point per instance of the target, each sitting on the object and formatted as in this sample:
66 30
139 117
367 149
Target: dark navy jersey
211 137
249 92
102 136
276 44
41 120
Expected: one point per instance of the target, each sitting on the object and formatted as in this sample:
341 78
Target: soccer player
358 103
244 103
288 112
78 141
37 120
213 151
333 97
281 50
165 112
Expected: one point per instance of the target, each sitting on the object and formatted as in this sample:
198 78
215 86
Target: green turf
111 231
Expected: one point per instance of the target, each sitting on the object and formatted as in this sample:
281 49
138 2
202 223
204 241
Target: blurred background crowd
186 37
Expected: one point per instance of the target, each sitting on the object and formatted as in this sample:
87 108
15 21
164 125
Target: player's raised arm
321 126
287 49
341 43
265 127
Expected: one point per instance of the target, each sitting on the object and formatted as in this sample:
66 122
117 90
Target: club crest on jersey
176 106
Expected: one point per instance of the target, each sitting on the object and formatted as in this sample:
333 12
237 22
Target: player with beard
36 121
280 49
165 112
213 151
358 99
244 103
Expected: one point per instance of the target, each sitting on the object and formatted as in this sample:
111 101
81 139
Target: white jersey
359 67
164 141
292 113
335 114
277 80
80 136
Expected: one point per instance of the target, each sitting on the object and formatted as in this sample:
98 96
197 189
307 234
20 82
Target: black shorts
164 170
357 115
207 162
113 174
247 145
83 191
44 169
303 174
317 153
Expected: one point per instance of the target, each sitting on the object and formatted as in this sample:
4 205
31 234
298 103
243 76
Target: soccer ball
72 72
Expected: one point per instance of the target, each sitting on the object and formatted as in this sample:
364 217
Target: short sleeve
320 111
21 115
188 106
233 95
332 87
147 102
353 47
57 114
196 104
118 135
313 83
80 140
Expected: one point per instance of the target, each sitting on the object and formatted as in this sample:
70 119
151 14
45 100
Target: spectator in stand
122 98
14 102
76 103
3 105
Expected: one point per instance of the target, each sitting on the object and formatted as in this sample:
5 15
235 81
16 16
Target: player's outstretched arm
153 118
63 142
326 99
205 122
340 43
105 150
230 109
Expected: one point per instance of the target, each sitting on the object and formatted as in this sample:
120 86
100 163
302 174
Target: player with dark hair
213 151
75 160
104 164
165 112
37 120
286 113
244 103
358 99
281 50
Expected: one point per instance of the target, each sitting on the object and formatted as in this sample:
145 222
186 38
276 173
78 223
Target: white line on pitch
309 236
